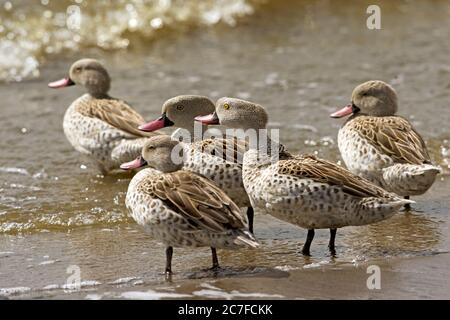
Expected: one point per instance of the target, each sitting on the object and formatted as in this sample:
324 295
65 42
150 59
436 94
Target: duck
97 125
303 190
181 208
218 158
381 146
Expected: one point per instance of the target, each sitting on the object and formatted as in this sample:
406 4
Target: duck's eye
78 69
150 147
180 107
226 106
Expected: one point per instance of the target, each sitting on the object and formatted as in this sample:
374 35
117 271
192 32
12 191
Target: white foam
6 253
15 170
233 294
43 263
123 280
14 291
151 295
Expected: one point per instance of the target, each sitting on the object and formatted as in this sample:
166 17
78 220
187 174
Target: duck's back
105 129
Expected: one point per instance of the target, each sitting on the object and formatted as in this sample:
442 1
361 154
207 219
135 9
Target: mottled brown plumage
302 189
381 146
181 208
323 171
97 125
231 149
116 113
197 199
394 136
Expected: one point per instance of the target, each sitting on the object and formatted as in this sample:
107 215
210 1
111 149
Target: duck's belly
360 157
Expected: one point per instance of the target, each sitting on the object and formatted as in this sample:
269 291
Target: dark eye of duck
150 147
226 106
78 69
180 107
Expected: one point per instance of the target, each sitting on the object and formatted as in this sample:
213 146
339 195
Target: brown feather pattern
393 136
232 149
310 167
116 113
197 199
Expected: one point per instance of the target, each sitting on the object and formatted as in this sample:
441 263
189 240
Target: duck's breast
360 157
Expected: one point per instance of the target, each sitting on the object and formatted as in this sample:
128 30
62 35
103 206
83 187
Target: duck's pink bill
65 82
136 163
208 119
345 111
152 125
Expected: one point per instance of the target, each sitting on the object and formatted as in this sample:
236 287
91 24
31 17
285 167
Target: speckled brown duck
97 125
382 147
181 208
303 190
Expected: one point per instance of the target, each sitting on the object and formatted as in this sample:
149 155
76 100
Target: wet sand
299 59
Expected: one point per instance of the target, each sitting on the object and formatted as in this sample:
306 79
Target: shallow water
300 59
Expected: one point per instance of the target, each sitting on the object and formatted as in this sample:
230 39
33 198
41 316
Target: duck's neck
99 95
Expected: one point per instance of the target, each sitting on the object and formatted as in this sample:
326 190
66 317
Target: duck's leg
169 253
215 260
250 215
331 243
307 245
407 206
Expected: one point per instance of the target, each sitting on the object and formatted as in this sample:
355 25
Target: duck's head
159 152
237 114
89 73
373 98
180 112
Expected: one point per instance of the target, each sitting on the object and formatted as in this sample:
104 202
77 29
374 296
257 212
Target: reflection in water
405 233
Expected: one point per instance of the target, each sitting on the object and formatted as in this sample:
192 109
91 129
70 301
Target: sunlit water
301 60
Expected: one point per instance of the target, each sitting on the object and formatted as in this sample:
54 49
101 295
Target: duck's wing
394 136
229 149
198 200
116 113
311 167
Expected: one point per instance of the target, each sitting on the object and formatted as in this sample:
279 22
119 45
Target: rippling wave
29 32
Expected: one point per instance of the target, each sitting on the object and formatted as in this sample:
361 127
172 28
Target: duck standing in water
218 159
97 125
382 147
303 190
181 208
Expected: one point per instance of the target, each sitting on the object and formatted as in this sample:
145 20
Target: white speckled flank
384 148
280 190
